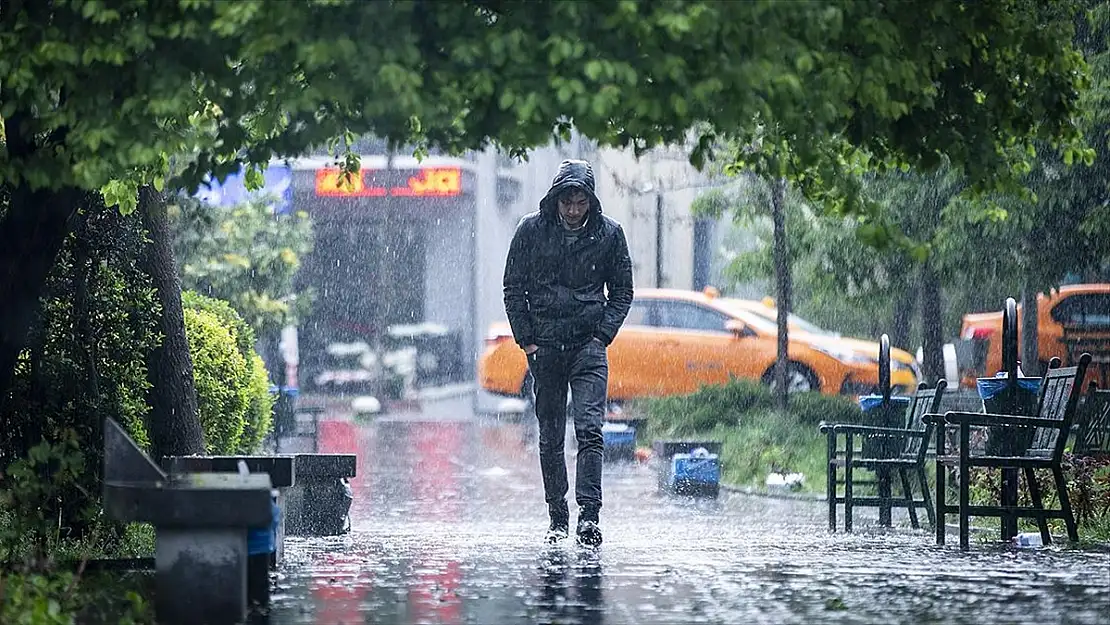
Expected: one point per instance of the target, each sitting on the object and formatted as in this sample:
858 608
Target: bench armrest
875 430
984 418
932 418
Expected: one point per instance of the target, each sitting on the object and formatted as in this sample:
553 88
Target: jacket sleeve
515 284
619 283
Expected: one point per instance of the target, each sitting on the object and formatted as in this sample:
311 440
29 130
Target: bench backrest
1092 437
925 401
1059 395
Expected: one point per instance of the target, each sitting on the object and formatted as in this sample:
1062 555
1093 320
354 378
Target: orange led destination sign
426 182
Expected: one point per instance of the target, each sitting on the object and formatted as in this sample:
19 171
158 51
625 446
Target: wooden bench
1056 407
896 450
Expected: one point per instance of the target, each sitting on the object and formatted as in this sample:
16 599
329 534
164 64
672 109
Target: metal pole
1010 351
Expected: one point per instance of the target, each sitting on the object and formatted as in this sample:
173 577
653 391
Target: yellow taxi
1070 320
675 341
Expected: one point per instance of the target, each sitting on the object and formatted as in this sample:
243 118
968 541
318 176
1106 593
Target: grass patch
756 439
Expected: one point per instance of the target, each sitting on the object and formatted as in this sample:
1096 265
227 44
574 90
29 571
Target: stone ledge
325 465
202 500
281 469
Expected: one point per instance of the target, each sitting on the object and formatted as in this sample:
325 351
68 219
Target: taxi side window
1090 311
637 315
684 316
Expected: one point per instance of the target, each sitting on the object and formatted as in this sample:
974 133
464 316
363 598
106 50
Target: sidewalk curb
758 492
818 498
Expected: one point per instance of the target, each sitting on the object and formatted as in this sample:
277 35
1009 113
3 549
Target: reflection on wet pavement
448 517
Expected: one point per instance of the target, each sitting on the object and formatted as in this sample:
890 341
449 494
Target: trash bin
997 400
892 415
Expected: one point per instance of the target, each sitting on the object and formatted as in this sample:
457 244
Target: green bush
220 372
1088 483
709 406
85 359
257 420
812 408
727 404
261 408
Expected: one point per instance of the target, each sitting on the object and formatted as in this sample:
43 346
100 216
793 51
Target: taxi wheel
800 378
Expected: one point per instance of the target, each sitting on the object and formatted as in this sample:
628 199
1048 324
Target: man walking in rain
568 287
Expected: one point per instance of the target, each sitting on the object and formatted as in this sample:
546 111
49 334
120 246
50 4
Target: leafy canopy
112 90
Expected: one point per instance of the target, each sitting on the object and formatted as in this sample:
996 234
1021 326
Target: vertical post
781 256
658 239
882 474
1010 351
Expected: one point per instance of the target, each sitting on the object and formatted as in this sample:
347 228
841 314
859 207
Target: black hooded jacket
555 294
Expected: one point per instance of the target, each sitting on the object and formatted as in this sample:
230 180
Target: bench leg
965 487
941 502
1038 503
1065 504
831 489
929 511
848 459
208 563
907 491
830 481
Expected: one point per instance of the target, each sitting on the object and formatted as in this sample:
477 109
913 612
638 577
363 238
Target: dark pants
585 371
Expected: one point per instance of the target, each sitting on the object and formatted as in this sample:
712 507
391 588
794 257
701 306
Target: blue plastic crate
618 434
693 469
619 440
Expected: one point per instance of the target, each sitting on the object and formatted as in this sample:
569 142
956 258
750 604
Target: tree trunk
174 424
782 291
905 305
32 232
931 325
1030 354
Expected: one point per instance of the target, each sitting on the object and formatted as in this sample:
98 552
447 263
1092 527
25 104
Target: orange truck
1070 321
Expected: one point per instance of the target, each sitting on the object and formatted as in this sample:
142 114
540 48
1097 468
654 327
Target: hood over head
572 174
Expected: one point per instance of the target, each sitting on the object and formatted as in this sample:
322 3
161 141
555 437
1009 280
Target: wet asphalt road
448 518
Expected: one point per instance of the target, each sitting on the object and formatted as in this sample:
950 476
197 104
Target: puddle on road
450 533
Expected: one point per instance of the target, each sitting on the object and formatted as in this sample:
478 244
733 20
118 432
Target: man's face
573 207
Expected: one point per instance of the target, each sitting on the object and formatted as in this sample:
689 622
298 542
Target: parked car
675 341
900 360
1076 318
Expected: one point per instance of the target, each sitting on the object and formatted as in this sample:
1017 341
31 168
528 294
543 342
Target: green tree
108 97
247 256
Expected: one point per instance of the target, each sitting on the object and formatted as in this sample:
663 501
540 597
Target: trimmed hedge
257 420
219 371
260 410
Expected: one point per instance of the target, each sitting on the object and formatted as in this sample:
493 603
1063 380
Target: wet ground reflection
447 523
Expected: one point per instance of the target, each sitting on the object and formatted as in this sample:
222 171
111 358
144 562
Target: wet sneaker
589 534
555 534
